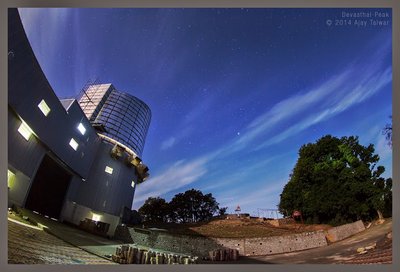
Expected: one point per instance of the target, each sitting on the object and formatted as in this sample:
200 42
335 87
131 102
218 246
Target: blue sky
234 93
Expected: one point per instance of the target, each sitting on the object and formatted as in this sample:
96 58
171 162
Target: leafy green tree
193 206
335 181
155 210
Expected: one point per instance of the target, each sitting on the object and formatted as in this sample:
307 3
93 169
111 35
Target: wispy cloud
179 174
189 122
240 173
382 148
290 107
45 28
42 34
184 132
262 196
170 142
364 90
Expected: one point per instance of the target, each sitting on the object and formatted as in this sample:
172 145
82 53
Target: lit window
44 107
81 128
73 144
108 170
96 217
10 179
25 130
133 184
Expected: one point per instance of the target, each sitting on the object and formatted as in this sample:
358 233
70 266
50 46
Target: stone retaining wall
344 231
283 244
201 246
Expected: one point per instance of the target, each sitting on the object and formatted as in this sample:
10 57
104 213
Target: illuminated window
44 107
81 128
108 170
73 144
133 184
96 217
25 130
10 180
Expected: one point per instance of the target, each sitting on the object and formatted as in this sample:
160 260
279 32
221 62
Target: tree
179 209
387 131
193 206
335 181
222 211
131 217
387 210
154 210
188 207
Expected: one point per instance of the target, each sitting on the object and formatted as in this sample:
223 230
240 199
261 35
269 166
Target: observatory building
74 160
125 117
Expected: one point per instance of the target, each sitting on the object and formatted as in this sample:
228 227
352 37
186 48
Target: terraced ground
239 228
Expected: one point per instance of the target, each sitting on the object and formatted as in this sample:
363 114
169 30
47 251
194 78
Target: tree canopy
387 131
336 181
188 207
155 210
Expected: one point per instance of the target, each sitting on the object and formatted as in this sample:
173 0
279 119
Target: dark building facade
59 163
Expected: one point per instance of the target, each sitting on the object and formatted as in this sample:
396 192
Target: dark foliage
222 211
155 210
131 217
188 207
336 181
387 131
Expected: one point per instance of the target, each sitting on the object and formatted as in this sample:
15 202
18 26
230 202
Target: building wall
24 158
108 193
22 154
90 187
27 87
74 213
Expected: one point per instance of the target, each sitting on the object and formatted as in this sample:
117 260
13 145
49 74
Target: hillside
238 228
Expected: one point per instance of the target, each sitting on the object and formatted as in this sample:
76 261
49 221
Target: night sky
234 93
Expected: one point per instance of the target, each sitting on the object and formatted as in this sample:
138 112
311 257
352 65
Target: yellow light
108 170
25 130
10 178
133 184
96 217
44 107
73 144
